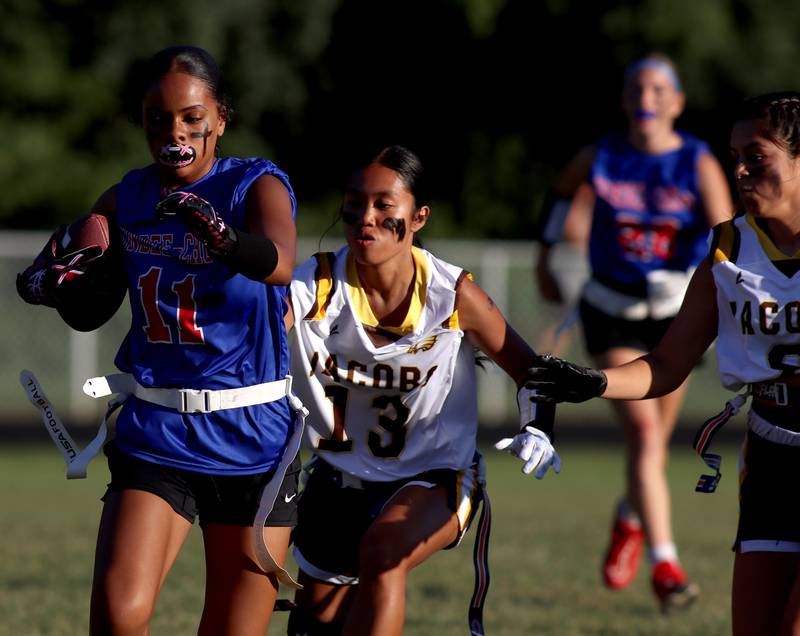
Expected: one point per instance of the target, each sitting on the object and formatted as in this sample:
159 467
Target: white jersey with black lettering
387 412
758 303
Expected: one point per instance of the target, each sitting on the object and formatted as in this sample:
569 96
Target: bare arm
288 317
487 329
106 204
269 214
690 334
579 220
714 190
571 184
576 171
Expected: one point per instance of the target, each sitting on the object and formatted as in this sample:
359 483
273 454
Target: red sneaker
624 554
673 589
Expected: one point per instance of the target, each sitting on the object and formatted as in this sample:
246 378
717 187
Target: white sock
663 552
626 513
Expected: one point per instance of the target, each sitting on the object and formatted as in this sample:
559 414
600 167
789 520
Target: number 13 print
393 426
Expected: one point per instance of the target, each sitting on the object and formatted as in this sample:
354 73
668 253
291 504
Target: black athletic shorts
333 518
769 517
227 499
603 332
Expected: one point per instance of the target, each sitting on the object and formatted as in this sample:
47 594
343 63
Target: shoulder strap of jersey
325 285
452 321
725 242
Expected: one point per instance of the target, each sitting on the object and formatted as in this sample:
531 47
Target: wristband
540 415
254 256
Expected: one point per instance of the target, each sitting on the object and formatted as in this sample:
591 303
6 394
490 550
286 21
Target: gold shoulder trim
323 277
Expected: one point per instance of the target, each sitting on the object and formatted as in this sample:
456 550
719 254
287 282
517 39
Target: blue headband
657 65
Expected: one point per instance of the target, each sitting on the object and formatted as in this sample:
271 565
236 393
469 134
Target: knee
302 623
647 438
116 609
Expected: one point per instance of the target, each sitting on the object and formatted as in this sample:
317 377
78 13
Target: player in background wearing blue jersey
208 247
651 193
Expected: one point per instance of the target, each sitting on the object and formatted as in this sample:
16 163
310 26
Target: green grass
547 542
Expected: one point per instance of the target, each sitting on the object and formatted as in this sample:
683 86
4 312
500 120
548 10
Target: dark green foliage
494 95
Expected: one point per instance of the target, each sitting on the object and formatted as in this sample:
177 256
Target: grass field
547 542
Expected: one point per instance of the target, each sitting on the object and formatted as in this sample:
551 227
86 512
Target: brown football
88 301
88 230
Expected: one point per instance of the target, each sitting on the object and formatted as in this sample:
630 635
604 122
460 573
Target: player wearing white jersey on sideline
384 356
753 272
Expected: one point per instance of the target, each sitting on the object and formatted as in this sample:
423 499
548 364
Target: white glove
533 447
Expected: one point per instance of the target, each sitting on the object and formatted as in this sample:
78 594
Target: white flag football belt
123 385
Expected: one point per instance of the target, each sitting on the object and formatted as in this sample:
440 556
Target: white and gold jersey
387 412
758 299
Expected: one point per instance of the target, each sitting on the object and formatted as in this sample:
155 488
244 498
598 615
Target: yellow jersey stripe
464 499
723 238
452 322
323 276
772 252
364 312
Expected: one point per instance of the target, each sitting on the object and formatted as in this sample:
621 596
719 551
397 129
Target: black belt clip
776 392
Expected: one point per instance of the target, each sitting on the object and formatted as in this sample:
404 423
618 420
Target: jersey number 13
394 426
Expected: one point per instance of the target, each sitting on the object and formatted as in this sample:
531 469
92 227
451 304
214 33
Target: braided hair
781 112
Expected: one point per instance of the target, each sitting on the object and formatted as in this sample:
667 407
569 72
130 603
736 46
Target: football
87 231
91 283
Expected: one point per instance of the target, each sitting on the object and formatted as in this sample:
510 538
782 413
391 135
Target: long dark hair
191 60
405 163
781 112
409 167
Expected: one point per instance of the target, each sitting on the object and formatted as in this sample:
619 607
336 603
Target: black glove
556 380
199 216
45 281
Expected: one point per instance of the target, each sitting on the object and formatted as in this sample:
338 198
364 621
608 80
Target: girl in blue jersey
751 273
208 247
644 200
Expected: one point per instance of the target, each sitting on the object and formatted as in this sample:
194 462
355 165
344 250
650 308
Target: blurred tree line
495 95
